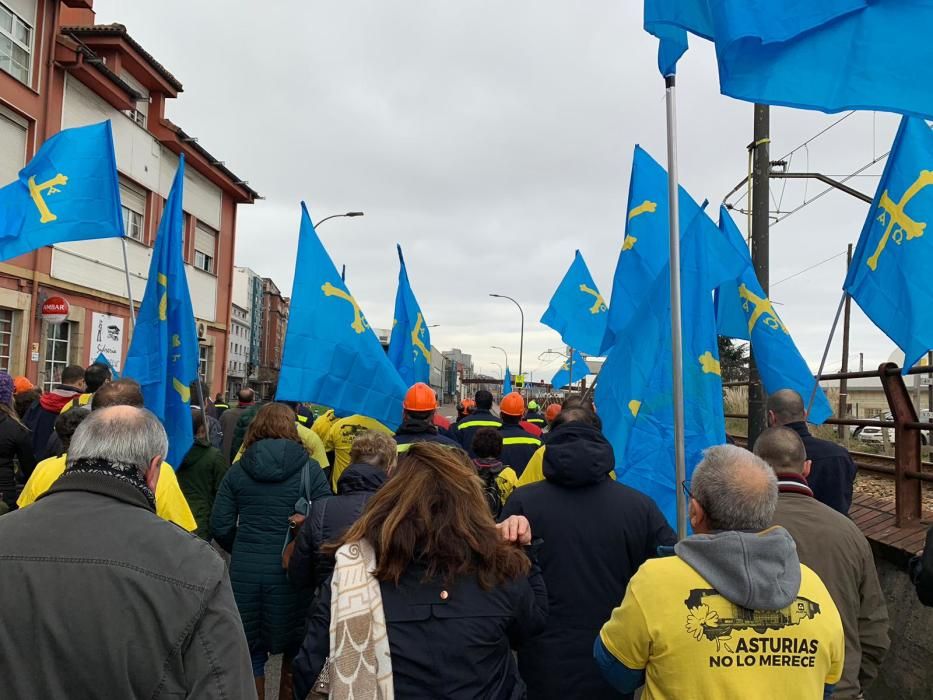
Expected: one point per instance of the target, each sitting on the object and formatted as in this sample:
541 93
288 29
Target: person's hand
515 528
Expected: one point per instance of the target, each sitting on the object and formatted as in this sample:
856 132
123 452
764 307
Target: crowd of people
492 557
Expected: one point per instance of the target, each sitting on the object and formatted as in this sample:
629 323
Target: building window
6 338
15 45
205 247
57 351
203 355
137 116
133 203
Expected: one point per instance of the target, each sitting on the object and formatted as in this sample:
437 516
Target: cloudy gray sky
490 139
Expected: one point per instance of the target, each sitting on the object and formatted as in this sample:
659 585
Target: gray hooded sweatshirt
757 570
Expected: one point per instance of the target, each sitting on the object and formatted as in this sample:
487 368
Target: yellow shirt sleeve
314 445
170 501
626 634
43 476
534 471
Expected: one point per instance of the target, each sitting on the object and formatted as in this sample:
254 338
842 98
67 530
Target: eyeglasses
686 487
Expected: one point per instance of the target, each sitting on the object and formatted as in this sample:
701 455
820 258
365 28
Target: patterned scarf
126 473
360 662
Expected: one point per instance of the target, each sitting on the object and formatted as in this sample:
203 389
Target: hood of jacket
55 400
577 454
416 426
274 459
757 570
197 452
361 478
490 464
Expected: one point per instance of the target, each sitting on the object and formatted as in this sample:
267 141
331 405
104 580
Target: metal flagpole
129 289
570 370
829 341
680 462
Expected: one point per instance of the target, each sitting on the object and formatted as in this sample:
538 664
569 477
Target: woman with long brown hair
250 519
428 594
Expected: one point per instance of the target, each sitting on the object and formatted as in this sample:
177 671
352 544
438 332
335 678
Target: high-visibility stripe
480 424
405 447
536 421
521 441
302 419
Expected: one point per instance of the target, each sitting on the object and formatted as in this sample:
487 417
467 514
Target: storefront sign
106 337
55 310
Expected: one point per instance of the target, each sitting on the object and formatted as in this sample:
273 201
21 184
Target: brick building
272 341
57 70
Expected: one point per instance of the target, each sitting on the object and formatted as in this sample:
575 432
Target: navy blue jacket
413 430
536 418
448 642
465 428
517 447
596 533
832 471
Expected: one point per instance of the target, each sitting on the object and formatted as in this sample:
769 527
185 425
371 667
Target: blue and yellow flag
102 360
646 247
635 389
507 382
889 277
410 342
577 310
744 311
163 355
332 357
564 376
829 55
68 192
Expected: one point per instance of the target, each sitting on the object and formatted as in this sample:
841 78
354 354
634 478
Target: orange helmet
513 405
420 398
552 412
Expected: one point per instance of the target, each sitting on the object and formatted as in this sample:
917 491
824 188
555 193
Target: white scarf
360 662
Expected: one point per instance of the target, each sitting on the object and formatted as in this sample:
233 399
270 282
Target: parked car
873 434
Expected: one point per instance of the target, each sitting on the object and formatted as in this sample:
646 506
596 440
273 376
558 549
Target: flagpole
829 341
680 462
129 288
570 370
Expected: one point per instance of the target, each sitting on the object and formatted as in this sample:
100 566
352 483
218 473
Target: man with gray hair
100 596
733 596
832 471
834 547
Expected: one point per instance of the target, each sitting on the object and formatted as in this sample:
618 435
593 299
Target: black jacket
596 533
832 471
921 571
465 428
15 446
443 647
414 430
40 418
103 598
328 520
517 447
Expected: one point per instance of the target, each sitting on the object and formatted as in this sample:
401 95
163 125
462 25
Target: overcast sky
490 139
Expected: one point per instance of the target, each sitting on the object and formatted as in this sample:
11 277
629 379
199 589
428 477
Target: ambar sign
55 309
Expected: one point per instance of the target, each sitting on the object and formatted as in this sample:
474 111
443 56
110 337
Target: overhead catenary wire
807 269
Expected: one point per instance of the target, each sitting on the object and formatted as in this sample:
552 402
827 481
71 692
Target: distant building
59 69
272 343
245 330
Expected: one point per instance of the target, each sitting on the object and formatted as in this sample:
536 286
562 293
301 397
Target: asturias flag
68 192
889 277
829 55
163 355
507 382
565 376
331 354
577 310
744 311
410 342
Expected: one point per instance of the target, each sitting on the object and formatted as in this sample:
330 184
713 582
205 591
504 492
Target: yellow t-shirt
694 643
312 443
170 501
340 439
323 424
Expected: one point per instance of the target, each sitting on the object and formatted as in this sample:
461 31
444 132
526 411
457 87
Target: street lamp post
502 350
337 216
501 371
521 339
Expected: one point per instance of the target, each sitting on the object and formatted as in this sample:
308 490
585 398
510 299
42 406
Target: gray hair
737 490
787 406
783 449
122 434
